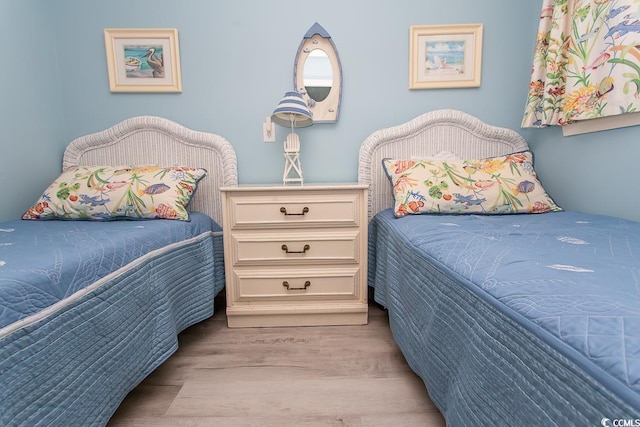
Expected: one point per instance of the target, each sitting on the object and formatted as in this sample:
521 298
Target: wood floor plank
281 391
294 376
395 420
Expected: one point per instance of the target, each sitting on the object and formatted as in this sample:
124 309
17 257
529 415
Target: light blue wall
237 62
594 172
32 134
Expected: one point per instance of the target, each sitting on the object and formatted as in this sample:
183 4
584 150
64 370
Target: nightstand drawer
295 209
289 248
296 284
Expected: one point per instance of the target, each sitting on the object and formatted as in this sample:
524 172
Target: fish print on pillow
497 185
118 192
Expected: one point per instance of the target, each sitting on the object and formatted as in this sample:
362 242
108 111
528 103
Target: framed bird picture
143 59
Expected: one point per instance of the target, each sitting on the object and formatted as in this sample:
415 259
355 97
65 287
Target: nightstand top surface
294 187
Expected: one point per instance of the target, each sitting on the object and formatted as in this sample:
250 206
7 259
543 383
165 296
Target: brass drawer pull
304 249
306 285
304 211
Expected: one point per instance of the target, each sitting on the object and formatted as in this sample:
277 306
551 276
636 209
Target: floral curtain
586 62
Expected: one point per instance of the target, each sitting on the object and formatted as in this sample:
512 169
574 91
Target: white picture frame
445 56
143 59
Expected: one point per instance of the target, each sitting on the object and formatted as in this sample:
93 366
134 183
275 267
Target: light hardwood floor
277 377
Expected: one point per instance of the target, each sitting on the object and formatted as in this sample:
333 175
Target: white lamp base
292 166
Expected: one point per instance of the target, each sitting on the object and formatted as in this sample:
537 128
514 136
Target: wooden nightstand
295 255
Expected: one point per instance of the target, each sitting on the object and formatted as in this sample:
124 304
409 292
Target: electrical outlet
268 131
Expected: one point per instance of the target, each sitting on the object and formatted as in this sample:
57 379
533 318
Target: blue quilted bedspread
44 262
89 309
556 294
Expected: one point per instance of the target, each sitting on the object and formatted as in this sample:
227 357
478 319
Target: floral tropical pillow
497 185
113 192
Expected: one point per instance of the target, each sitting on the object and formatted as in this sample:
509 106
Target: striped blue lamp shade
292 107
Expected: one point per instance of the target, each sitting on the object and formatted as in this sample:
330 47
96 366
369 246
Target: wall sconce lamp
292 111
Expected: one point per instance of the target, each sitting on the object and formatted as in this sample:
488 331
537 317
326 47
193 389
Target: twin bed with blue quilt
529 318
89 308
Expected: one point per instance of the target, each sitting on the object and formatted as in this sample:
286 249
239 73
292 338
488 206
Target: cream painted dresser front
295 255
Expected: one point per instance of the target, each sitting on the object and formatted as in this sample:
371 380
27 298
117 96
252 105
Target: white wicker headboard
150 140
427 135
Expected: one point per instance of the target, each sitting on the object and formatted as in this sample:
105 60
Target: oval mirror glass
317 75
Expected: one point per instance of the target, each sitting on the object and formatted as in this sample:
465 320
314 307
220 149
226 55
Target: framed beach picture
445 56
143 59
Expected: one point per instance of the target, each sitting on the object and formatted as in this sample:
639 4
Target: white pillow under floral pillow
118 192
496 185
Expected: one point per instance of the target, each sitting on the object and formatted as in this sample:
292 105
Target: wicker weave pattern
150 140
426 135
